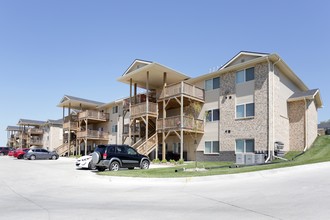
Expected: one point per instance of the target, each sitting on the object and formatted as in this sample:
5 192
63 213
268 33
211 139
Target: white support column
147 110
164 117
130 110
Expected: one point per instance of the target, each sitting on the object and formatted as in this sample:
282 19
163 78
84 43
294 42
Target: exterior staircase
144 146
63 150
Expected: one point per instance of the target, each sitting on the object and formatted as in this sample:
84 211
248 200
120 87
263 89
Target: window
114 128
211 147
212 115
115 109
245 75
211 84
245 146
245 110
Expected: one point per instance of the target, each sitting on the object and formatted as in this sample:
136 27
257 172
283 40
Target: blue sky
49 48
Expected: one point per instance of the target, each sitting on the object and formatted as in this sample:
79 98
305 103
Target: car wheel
100 169
90 165
114 166
145 164
54 157
19 156
32 157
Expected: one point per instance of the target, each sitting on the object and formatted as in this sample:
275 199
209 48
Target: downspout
273 108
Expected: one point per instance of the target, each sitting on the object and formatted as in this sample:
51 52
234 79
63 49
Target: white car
85 162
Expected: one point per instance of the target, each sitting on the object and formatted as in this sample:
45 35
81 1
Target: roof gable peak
243 56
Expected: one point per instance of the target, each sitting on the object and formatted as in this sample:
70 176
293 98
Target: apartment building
13 134
253 104
53 134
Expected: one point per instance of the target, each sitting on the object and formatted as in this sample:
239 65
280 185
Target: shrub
156 160
164 161
181 161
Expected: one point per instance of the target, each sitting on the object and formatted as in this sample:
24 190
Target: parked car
4 151
11 152
113 157
85 162
19 153
39 153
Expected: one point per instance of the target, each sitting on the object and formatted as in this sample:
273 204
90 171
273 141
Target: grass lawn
319 152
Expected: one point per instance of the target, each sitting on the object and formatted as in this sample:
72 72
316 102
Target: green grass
319 152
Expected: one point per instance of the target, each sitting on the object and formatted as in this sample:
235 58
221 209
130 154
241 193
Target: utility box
259 158
249 159
240 159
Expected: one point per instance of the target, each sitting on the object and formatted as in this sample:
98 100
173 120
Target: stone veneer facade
296 112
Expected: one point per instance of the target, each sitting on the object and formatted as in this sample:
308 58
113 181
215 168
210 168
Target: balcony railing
72 118
141 109
35 142
183 88
96 115
174 123
35 131
93 134
71 125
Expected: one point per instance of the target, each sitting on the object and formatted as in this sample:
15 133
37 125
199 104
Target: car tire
90 165
145 164
54 157
96 157
100 169
114 166
20 157
32 157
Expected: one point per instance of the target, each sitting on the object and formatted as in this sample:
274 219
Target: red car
19 153
11 153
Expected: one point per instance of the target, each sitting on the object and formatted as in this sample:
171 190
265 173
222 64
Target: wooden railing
183 88
93 134
96 115
63 149
147 146
35 142
35 131
71 125
141 109
174 123
72 118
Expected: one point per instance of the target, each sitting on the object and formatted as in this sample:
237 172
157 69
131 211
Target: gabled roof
309 94
14 128
156 71
241 54
30 122
137 63
78 103
55 122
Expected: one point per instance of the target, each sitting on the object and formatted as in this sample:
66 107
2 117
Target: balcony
94 115
174 123
93 134
35 131
70 125
35 141
141 109
184 89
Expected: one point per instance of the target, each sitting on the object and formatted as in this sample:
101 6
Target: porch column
130 110
134 121
147 110
69 134
164 117
181 119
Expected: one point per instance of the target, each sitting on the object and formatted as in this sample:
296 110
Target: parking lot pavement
47 189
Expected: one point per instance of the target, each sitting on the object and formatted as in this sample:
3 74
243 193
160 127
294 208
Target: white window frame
212 114
244 147
115 109
244 71
212 88
212 151
244 116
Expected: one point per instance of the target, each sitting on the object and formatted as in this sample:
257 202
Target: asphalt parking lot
47 189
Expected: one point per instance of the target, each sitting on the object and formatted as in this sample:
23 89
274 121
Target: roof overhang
316 96
77 103
156 74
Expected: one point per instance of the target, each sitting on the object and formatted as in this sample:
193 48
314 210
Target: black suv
113 157
4 150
